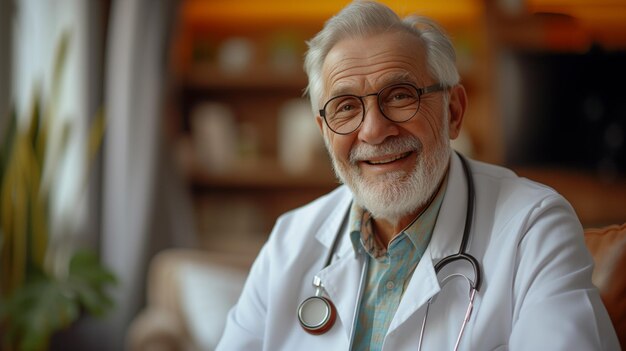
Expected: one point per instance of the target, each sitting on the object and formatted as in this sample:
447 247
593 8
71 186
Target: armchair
213 281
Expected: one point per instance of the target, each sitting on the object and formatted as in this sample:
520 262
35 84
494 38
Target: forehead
363 64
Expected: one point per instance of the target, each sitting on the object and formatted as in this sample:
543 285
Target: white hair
365 18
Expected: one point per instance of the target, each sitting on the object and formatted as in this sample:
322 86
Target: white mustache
395 145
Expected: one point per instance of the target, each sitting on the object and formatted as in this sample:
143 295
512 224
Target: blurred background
208 138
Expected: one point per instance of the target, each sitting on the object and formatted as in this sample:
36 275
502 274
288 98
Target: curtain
140 188
6 11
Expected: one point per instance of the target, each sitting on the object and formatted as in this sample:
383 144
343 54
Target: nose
375 127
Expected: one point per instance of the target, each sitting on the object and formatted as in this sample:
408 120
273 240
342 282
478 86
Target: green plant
37 298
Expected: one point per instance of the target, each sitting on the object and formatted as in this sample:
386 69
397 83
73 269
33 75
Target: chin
395 195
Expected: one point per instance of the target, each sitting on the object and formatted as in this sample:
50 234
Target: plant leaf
89 279
44 305
35 119
59 67
96 133
7 142
37 309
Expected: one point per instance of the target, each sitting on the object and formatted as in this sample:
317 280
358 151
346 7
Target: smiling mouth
389 159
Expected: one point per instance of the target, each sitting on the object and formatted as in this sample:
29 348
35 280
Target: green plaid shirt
390 269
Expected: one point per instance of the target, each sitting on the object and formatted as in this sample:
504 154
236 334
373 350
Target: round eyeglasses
398 103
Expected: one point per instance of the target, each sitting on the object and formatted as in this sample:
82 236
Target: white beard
393 195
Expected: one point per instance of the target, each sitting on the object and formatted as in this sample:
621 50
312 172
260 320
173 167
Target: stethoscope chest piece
317 314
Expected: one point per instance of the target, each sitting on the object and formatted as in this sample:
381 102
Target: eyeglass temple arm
432 88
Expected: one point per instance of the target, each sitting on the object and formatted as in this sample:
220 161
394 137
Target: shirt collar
419 231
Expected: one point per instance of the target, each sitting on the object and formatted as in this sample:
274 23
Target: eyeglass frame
420 91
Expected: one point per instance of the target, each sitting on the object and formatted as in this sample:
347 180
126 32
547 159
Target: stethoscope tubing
357 310
461 255
469 216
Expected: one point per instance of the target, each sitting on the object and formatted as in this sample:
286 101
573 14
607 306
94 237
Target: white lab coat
536 292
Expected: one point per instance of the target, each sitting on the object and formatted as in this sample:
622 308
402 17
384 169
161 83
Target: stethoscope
317 314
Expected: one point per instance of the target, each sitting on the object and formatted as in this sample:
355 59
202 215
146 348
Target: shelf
563 26
250 195
261 173
252 14
211 78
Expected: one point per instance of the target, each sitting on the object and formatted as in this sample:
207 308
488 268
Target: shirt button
390 285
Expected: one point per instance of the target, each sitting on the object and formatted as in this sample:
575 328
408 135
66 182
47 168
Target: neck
386 230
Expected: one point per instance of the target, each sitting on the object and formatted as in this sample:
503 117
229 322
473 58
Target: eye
344 105
399 95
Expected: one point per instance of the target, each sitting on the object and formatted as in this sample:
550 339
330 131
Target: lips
388 159
394 149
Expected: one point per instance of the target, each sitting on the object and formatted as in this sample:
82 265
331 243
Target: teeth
387 160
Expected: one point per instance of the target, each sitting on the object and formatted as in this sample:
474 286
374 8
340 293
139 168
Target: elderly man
420 248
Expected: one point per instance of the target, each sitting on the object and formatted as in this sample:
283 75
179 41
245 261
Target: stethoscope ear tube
317 315
463 257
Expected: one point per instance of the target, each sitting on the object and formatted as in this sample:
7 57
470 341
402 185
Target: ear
456 110
320 123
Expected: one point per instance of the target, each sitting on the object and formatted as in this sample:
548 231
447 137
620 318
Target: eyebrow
403 77
341 90
399 77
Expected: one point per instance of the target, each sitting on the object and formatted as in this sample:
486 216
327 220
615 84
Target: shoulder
309 226
315 213
514 201
508 188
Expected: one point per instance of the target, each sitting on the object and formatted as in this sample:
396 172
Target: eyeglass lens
398 103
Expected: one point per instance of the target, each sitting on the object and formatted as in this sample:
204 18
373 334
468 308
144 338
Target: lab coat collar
448 231
445 241
328 231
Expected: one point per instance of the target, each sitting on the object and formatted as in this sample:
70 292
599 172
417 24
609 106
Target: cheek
429 127
426 130
431 118
340 146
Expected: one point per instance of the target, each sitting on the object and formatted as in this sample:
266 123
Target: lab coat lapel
423 286
342 277
448 231
445 241
341 281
